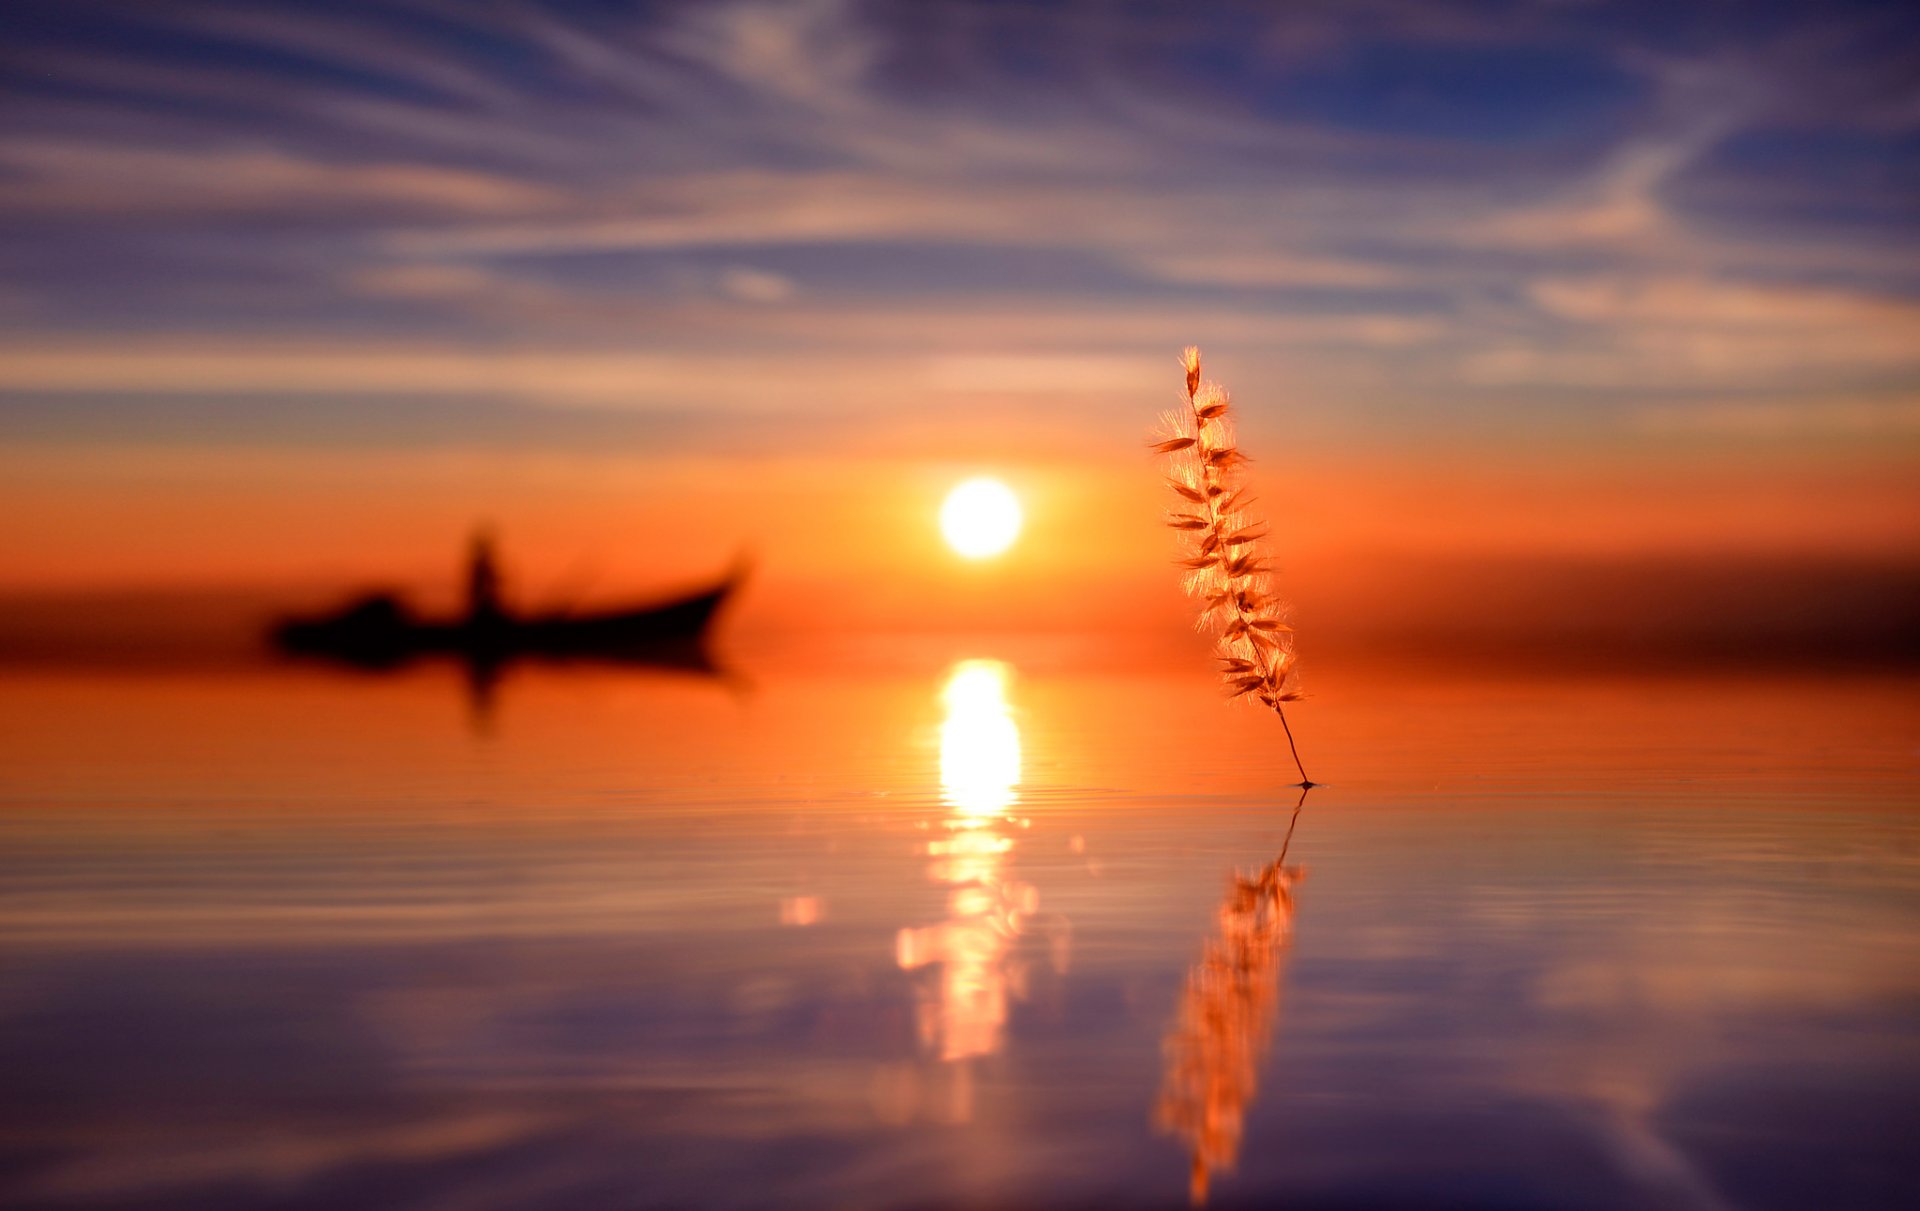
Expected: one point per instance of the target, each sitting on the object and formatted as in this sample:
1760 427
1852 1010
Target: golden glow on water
964 1013
979 741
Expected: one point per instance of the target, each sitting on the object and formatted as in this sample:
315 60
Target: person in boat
484 610
380 628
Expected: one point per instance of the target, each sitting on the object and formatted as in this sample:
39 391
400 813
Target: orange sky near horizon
853 542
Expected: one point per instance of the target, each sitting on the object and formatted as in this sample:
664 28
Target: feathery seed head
1223 545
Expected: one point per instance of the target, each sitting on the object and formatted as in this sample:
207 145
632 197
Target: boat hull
378 632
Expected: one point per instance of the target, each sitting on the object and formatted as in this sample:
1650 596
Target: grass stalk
1224 551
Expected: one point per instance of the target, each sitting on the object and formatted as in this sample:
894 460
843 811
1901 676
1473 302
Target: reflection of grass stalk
1229 569
1224 1026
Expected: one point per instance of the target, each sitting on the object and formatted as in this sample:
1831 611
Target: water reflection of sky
304 941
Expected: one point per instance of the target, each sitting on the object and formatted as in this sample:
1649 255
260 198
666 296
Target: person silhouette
484 609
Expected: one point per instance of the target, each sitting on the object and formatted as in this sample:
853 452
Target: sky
1523 304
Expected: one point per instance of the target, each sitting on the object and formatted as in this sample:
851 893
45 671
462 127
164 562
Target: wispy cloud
569 203
1883 418
142 183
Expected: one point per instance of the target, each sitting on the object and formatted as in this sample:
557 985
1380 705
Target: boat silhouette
380 630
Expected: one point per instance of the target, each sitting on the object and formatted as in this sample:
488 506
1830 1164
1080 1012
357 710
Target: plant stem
1306 783
1287 843
1217 530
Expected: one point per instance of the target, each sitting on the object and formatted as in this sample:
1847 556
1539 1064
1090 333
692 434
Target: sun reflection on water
963 1013
979 741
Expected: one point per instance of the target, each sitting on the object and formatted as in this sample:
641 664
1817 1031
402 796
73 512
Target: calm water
956 925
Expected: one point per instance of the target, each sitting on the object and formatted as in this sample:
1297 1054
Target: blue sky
375 223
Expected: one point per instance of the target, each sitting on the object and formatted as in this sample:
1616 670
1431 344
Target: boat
380 630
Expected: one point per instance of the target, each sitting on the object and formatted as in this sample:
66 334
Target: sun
981 518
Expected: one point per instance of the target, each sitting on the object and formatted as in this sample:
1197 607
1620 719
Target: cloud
424 281
1028 374
755 285
1619 201
638 381
114 179
1889 418
813 53
303 369
1258 269
1673 301
602 191
1647 332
